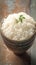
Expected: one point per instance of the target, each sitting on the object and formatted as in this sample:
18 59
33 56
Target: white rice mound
18 31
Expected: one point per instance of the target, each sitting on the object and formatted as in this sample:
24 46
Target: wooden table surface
7 57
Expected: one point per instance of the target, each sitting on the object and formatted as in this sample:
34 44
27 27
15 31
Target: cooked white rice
18 30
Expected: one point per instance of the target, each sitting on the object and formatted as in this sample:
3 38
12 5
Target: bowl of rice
18 32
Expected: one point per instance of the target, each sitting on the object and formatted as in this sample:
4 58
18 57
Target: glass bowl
18 47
